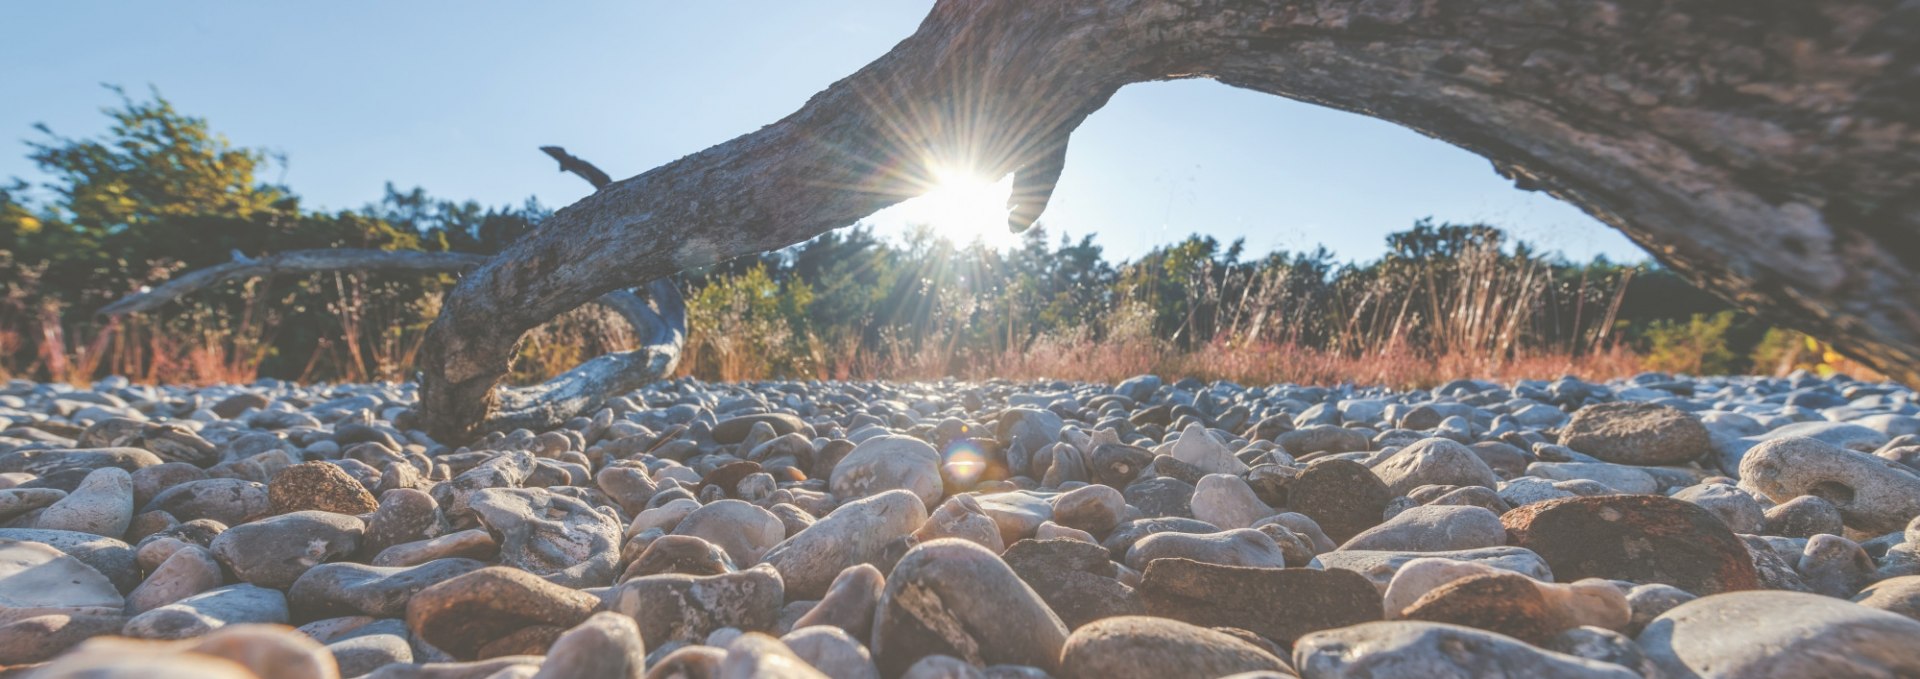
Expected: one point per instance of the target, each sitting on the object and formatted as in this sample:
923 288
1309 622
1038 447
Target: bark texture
1767 149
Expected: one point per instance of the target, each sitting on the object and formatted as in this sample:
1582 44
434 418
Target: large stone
551 535
604 646
689 607
854 533
952 597
1342 496
1198 448
319 486
189 570
1769 634
1871 494
275 551
210 610
1897 595
1380 567
229 501
102 505
1138 646
1433 462
849 604
1521 607
1629 432
36 579
1278 603
1433 528
744 531
1227 501
1161 496
340 589
112 558
40 638
1638 538
884 463
1076 579
1405 648
1240 547
465 613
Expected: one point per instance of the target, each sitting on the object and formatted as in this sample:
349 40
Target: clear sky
456 97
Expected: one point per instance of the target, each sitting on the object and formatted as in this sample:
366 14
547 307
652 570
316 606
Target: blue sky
456 96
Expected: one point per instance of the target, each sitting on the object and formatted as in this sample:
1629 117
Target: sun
964 207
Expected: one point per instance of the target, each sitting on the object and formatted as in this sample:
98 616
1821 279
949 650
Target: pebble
318 486
1238 547
1225 500
1872 497
832 651
551 535
1896 595
1627 432
461 615
1639 538
341 589
229 501
744 531
854 533
953 597
1197 447
604 646
1380 567
1095 508
1406 648
962 517
1341 496
274 552
208 611
1434 461
1277 603
1760 634
849 602
1803 517
676 607
39 638
886 463
1521 607
1737 509
37 579
187 571
102 505
1139 646
1075 579
1433 528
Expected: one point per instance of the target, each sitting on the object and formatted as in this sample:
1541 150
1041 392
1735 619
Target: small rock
1781 634
1240 547
604 646
1342 496
40 638
1096 509
340 589
961 516
1198 448
1138 646
318 486
1434 461
953 597
689 607
854 533
189 570
1803 517
1278 603
832 651
551 535
465 613
1521 607
1639 538
884 463
37 579
1380 567
746 532
208 611
1433 528
102 505
274 551
1406 648
1626 432
849 603
1872 497
1227 501
228 501
1161 496
1735 507
1077 580
1895 595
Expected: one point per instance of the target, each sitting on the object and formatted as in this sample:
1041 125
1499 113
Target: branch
572 163
288 263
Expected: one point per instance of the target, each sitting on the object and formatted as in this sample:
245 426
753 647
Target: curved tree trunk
1766 149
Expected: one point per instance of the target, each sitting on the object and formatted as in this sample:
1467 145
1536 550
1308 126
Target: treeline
159 194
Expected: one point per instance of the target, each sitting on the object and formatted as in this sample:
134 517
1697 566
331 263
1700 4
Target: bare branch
289 263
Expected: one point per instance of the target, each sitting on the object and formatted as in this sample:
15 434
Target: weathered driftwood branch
574 164
288 263
1765 149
